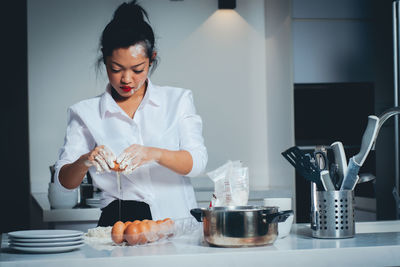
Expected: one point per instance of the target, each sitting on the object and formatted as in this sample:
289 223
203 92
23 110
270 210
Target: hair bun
129 26
130 13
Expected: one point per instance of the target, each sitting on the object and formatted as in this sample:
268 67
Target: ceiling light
226 4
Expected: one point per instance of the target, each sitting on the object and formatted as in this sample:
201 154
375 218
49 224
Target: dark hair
128 27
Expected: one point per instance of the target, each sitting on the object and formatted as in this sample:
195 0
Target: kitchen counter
64 215
375 244
91 215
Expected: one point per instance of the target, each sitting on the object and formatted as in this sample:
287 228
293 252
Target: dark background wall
15 189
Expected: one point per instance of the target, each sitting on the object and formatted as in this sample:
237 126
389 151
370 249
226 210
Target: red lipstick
126 88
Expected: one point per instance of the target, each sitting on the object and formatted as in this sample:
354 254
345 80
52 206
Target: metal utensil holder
333 214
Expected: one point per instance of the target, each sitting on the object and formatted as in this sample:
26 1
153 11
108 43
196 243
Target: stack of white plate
93 202
45 241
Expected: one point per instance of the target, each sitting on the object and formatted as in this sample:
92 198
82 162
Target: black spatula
303 165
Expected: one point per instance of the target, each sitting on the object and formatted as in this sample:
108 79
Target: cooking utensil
302 163
340 159
326 181
314 207
367 140
365 177
240 226
321 160
333 172
355 162
351 178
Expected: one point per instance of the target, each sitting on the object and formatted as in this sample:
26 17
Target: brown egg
132 234
127 223
117 232
153 233
154 227
136 221
144 230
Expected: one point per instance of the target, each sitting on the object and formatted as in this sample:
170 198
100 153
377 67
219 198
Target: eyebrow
134 66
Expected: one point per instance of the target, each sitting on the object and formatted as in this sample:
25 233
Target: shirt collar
152 94
108 104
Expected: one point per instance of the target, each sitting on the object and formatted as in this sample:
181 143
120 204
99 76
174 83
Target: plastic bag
231 184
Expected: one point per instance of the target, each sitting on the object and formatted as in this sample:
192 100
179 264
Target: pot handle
279 216
197 213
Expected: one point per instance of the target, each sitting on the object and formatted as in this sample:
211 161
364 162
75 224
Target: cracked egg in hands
117 167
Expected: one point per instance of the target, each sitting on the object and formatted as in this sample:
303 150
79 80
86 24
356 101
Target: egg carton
185 226
179 228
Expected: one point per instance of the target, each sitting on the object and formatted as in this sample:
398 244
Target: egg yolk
117 167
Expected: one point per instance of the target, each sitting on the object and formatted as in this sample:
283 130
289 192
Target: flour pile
99 238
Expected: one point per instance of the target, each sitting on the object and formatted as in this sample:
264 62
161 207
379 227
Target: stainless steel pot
240 226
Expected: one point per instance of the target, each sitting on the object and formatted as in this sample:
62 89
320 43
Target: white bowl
60 199
282 204
285 227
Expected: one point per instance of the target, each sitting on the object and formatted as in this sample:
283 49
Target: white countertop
375 244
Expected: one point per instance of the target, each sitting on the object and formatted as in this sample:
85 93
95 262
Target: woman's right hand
102 158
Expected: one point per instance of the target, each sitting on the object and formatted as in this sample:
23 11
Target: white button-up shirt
166 118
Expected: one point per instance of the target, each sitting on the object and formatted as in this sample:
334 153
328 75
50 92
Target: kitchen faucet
382 119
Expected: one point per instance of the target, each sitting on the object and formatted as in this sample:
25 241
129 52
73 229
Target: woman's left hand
137 155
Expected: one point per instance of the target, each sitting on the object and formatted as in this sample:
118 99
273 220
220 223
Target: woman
153 133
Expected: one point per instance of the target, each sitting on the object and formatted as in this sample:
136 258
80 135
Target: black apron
130 210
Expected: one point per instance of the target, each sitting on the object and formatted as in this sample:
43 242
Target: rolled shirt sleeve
77 142
190 131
